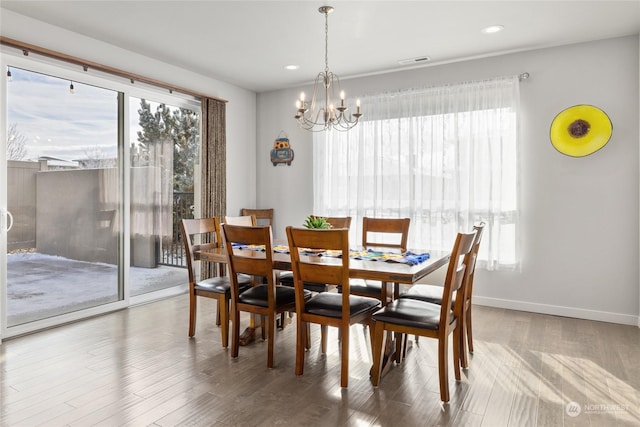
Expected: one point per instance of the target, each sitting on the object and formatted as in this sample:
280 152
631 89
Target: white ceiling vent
415 60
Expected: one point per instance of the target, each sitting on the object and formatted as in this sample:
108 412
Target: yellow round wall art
580 130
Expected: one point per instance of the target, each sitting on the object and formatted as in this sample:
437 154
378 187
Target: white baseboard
556 310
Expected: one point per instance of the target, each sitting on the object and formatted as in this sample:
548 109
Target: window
446 157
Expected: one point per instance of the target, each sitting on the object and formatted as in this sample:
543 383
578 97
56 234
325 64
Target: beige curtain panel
214 169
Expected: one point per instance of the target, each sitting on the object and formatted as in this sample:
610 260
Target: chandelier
319 115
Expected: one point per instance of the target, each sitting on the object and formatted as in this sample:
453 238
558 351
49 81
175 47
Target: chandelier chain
326 41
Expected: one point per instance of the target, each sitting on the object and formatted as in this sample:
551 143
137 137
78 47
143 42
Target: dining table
384 271
397 273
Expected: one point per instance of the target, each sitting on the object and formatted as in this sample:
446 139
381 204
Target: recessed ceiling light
492 29
291 67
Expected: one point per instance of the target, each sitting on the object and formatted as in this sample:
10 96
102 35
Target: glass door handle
10 218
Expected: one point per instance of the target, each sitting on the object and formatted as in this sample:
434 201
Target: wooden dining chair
325 308
264 298
204 234
382 233
286 278
263 216
434 294
246 220
415 317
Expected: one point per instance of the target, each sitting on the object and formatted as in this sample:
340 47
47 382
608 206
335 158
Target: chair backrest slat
249 220
399 226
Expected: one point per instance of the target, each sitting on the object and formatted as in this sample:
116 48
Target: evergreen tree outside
179 126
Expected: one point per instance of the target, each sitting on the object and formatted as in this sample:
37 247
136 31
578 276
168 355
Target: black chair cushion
257 295
330 305
410 312
219 285
427 293
286 279
222 285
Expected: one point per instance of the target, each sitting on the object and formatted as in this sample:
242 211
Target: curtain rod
28 48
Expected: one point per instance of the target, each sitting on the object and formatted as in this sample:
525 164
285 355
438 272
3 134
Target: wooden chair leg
282 320
307 342
469 330
262 327
218 319
457 357
235 331
399 339
192 314
344 371
271 325
443 368
323 338
300 345
223 309
405 339
379 338
464 360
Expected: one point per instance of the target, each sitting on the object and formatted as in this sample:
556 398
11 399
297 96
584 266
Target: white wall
241 108
580 244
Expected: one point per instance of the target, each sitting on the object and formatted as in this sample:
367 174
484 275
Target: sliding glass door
98 176
64 192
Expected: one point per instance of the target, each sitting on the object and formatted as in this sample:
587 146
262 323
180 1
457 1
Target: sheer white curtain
446 157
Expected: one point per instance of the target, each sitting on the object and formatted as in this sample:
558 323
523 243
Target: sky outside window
57 123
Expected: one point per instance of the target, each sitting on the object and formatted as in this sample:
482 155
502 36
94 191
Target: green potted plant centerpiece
317 222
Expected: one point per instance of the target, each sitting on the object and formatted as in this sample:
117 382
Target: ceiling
248 43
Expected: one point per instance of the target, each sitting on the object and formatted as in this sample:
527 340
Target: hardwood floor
137 367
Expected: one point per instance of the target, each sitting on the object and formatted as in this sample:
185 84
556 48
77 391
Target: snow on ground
41 286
